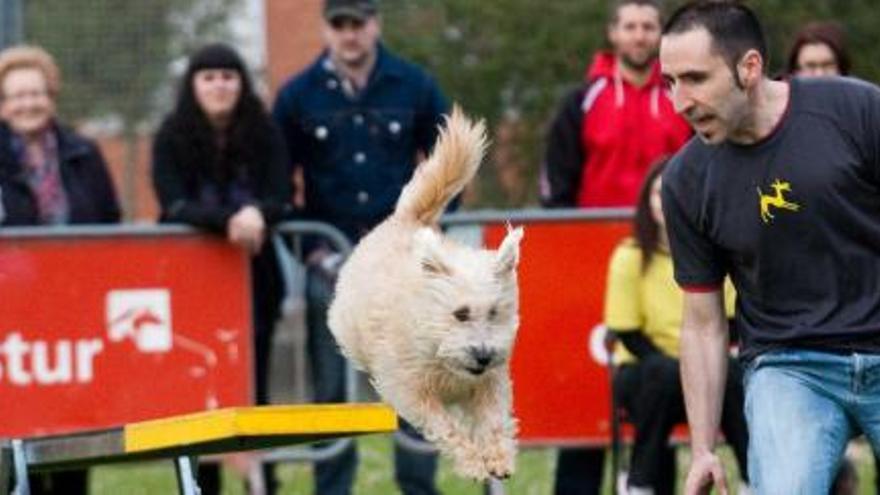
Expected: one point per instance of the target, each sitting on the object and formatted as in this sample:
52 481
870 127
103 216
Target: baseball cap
357 9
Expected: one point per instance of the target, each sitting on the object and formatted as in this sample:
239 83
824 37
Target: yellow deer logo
776 200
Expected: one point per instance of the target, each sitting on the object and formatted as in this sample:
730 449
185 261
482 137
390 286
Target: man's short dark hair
733 28
616 5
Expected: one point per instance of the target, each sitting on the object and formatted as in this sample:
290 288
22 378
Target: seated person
643 308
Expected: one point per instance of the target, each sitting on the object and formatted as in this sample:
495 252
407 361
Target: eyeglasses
24 95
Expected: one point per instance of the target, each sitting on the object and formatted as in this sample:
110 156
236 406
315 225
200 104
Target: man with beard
779 192
602 142
356 122
613 127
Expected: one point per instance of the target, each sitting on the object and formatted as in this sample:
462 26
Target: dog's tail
452 164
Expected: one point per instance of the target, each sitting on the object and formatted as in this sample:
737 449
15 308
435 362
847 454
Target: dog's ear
429 252
507 256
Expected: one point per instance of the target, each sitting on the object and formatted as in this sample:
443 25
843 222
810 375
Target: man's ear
507 256
429 251
750 69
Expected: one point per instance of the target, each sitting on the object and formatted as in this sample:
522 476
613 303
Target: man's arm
285 114
703 348
564 155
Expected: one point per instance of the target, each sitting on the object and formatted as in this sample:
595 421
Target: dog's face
468 303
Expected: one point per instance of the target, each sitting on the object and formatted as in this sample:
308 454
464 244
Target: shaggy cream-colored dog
433 321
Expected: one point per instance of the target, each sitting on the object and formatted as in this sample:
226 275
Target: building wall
293 37
135 191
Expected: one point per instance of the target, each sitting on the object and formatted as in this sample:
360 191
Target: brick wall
293 37
133 186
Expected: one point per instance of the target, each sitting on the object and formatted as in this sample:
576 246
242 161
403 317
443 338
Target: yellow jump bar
262 421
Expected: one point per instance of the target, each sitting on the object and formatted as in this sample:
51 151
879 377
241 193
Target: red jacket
606 136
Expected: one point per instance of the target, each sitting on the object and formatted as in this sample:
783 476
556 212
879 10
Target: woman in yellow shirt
643 309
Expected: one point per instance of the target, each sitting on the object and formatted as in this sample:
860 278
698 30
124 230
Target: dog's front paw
500 459
468 462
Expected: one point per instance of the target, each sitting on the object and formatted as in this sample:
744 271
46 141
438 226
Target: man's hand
706 471
247 229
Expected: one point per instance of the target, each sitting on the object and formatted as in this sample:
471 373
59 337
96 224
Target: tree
116 57
511 61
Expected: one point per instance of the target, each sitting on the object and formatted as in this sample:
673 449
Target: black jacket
84 174
178 184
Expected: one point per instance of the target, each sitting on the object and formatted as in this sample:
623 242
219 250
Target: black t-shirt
794 219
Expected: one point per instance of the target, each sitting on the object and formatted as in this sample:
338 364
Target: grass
374 475
534 474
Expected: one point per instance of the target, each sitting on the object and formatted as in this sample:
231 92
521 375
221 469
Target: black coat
177 183
84 175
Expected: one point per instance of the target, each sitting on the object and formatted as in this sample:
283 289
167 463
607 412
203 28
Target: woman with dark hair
819 49
643 310
219 164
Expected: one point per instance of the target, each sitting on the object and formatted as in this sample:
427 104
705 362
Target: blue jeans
802 407
414 472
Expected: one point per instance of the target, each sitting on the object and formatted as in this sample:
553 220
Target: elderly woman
49 175
219 163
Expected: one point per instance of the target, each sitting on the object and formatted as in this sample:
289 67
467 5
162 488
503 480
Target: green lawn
533 476
374 475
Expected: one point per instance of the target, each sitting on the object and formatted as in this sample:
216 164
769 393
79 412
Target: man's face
702 85
635 34
352 41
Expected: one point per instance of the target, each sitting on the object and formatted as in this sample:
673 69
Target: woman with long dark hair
643 309
219 164
819 49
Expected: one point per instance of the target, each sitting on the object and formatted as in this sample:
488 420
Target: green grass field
533 476
374 475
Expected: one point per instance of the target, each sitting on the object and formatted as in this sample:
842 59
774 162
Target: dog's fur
432 321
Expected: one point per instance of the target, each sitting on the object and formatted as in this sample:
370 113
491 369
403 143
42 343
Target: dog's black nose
482 355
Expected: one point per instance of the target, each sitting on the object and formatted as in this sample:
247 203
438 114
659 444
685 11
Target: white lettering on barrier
40 359
86 350
25 363
139 316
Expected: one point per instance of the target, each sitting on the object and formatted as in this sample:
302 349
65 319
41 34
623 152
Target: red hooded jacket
607 135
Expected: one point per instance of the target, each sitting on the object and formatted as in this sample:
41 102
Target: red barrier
99 331
561 390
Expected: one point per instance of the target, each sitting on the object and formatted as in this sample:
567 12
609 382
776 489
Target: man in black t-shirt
781 190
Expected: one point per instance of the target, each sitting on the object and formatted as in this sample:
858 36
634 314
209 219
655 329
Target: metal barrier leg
493 487
291 274
186 476
22 485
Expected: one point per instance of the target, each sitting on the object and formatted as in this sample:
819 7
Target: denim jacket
357 152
